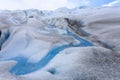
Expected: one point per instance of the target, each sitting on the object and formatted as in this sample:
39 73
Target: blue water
23 67
83 42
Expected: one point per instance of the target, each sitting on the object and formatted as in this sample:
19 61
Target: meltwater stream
23 67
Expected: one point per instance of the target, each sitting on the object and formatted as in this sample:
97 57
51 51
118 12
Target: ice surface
24 66
65 44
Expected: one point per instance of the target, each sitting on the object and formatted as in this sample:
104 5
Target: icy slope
76 44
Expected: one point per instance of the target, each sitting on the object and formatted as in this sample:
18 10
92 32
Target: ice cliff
65 44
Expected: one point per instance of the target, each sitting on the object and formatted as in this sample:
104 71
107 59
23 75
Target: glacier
64 44
24 67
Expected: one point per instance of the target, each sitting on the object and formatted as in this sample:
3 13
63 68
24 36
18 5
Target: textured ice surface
79 44
24 67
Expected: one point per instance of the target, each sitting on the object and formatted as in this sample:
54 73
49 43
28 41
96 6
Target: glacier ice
65 44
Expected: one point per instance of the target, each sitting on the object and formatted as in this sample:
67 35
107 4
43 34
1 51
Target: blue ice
24 67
